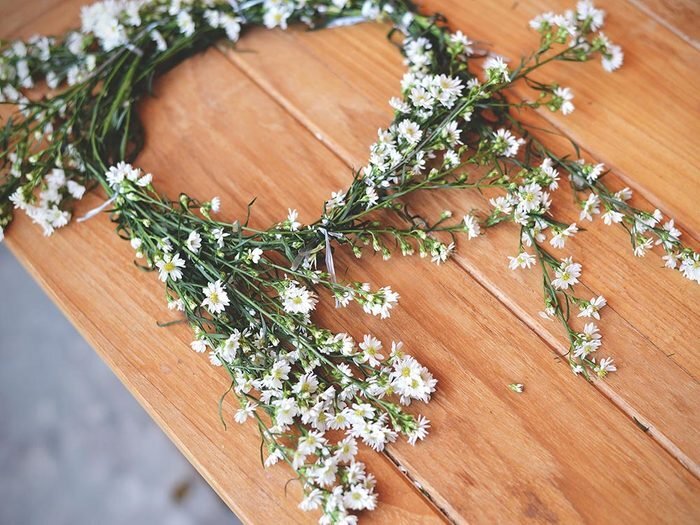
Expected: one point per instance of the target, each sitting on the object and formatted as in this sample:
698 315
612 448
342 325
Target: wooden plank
493 455
19 19
680 16
89 273
655 347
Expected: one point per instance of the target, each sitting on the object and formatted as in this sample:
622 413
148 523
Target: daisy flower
215 297
170 267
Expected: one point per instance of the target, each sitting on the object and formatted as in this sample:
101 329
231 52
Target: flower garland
249 294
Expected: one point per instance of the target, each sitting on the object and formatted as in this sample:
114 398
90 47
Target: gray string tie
89 215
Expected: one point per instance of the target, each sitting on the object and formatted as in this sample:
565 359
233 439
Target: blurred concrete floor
75 447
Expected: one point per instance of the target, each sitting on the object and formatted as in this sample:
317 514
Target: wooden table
284 121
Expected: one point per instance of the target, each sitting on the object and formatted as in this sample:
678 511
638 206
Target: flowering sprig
250 310
249 295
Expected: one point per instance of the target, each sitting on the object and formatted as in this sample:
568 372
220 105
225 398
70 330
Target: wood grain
559 452
680 16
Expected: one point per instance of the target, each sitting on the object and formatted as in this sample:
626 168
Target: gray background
75 447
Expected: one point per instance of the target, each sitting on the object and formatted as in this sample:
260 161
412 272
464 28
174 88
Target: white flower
592 307
346 451
587 12
214 359
276 16
297 299
471 224
76 190
359 497
612 217
157 37
567 274
522 260
642 245
586 346
313 499
371 351
558 240
566 96
552 173
215 204
441 252
518 388
199 345
381 302
612 58
2 234
278 373
496 69
501 205
690 267
230 346
274 457
337 199
624 194
326 472
410 132
307 384
219 236
122 171
170 267
674 234
590 207
399 105
605 366
461 39
194 241
448 89
372 197
548 313
506 144
232 27
245 412
671 260
255 254
409 379
310 443
185 23
420 432
177 304
593 171
292 217
285 410
215 297
451 159
543 21
421 98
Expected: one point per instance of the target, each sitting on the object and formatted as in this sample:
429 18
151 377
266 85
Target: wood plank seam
668 25
418 487
550 340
